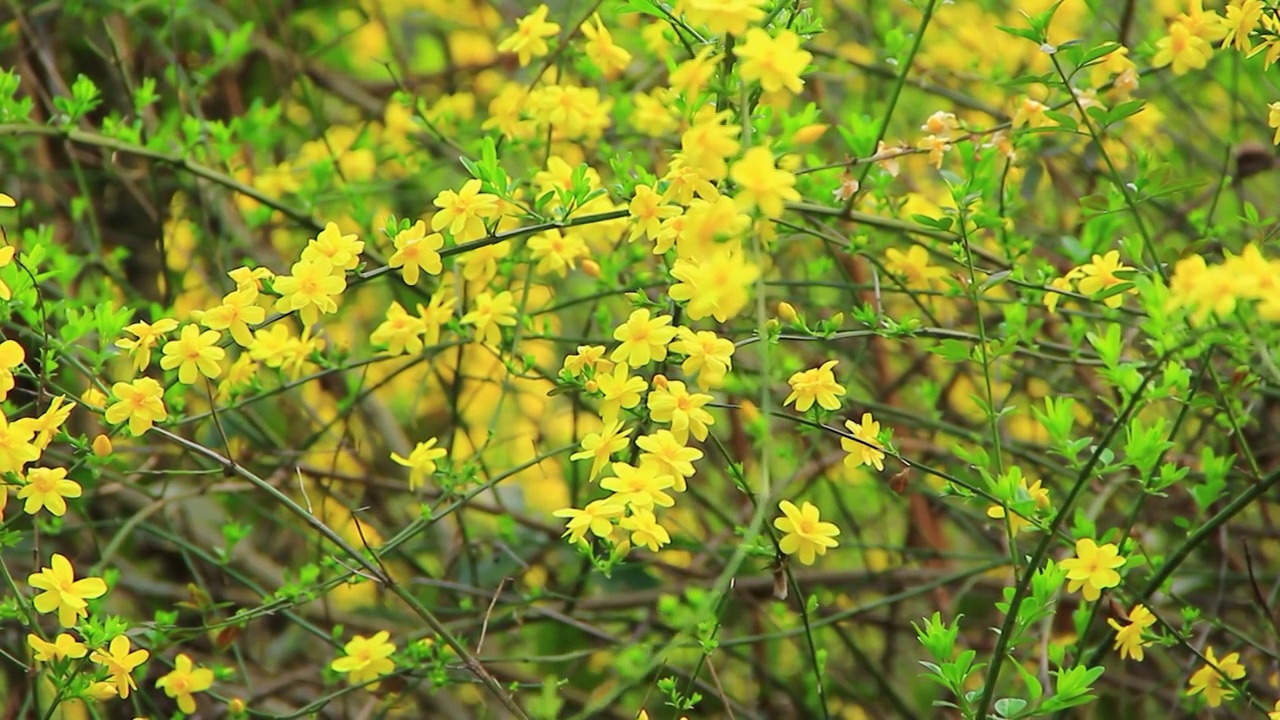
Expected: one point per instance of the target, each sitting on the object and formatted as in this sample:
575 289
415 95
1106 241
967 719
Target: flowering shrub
638 359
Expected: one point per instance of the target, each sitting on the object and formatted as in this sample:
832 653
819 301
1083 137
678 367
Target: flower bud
102 446
591 269
787 311
809 133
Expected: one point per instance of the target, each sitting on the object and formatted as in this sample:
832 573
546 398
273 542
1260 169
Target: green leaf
994 280
1063 119
1027 33
646 7
951 350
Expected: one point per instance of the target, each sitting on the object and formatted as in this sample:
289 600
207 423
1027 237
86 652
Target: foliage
709 358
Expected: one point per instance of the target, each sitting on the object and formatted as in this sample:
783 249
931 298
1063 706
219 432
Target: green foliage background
152 148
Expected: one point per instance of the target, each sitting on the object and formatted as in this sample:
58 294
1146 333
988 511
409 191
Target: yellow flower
639 487
725 16
1034 492
436 313
194 353
588 356
937 146
16 444
506 112
645 530
64 646
62 592
815 384
46 488
692 75
651 113
761 184
1242 17
684 410
595 517
310 288
1203 23
1093 568
643 339
120 663
1032 114
647 213
366 658
601 49
342 251
147 334
707 355
1057 286
11 356
416 250
421 461
557 252
684 179
237 312
864 447
776 62
804 533
491 313
6 257
140 402
465 212
940 123
1184 50
573 112
529 39
914 266
247 278
1100 275
602 446
1210 681
718 285
621 391
1129 636
710 142
400 332
669 455
184 680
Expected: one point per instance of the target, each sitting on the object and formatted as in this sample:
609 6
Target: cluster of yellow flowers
116 662
1094 569
1103 275
686 212
1218 289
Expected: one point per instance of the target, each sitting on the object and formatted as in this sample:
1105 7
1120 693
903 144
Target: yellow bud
809 133
101 691
750 412
837 320
591 386
102 445
591 269
787 311
95 397
772 324
659 382
236 706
